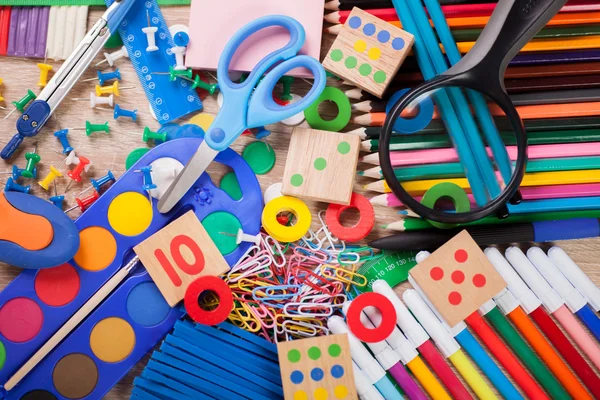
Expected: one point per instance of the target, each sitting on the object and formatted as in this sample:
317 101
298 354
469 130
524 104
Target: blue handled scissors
248 104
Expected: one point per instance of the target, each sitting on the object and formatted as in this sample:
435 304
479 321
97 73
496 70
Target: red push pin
75 173
84 203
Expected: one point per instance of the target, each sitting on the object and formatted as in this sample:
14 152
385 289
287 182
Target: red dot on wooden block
479 280
461 256
436 273
454 298
458 276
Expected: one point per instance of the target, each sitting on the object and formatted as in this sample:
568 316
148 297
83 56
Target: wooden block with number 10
458 278
321 166
178 254
368 52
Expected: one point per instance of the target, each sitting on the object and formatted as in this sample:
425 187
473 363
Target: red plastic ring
196 312
388 317
361 229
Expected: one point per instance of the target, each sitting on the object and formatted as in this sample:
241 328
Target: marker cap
365 390
360 354
382 351
506 301
487 307
550 299
430 322
573 299
517 287
409 325
576 276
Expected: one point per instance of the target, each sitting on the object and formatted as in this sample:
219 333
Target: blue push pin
18 172
181 39
64 140
107 76
148 184
98 183
120 112
57 201
12 186
262 132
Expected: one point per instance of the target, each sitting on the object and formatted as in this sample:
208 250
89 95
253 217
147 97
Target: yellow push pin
52 175
44 70
1 98
111 89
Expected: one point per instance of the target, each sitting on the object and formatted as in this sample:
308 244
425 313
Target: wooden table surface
108 152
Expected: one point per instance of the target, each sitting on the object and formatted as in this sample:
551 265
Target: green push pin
21 104
287 87
210 88
148 134
91 128
32 160
174 74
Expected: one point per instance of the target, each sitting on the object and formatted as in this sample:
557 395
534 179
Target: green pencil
416 224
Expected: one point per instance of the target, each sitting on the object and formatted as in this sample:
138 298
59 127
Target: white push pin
179 51
243 237
71 159
150 32
95 100
110 58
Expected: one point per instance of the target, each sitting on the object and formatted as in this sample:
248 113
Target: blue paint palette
37 303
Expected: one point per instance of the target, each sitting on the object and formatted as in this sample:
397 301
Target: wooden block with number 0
458 278
178 254
368 52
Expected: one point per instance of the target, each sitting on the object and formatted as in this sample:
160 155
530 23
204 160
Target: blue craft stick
188 383
236 341
387 389
184 390
481 109
487 365
209 373
448 115
226 326
590 320
248 360
457 98
139 393
194 355
547 205
164 392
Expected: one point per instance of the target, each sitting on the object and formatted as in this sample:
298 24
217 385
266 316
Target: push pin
150 32
287 87
98 183
75 173
91 128
1 98
21 104
179 51
210 88
70 159
120 112
44 70
243 237
112 89
56 199
32 160
181 39
52 175
174 74
110 58
85 203
96 100
12 186
148 184
157 137
262 133
64 140
17 172
105 76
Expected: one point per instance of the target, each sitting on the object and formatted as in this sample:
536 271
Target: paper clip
271 243
307 310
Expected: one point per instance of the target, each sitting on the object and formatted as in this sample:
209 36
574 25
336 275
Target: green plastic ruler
49 3
391 267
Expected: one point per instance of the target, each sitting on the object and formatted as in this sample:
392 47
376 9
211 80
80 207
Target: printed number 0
191 269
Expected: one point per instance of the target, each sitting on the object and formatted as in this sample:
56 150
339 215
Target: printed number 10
194 268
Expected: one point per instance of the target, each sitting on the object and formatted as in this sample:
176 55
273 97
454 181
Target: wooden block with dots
458 278
368 52
321 166
317 368
178 254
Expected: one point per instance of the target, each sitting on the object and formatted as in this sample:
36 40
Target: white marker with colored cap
365 390
576 276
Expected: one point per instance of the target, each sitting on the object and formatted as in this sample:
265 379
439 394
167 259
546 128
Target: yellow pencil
558 44
430 383
471 376
418 188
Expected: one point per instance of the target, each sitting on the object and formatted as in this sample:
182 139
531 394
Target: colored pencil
445 155
419 187
556 44
371 4
418 224
553 57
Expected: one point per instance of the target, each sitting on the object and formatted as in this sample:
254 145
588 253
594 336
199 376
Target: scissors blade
188 176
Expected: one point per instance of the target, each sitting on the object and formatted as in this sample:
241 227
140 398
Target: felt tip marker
576 276
409 357
365 361
471 345
447 345
365 390
420 339
574 300
553 303
531 306
390 361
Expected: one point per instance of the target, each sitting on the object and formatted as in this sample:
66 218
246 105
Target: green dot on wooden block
334 350
344 148
293 356
320 164
365 69
379 76
296 180
351 62
337 55
314 353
